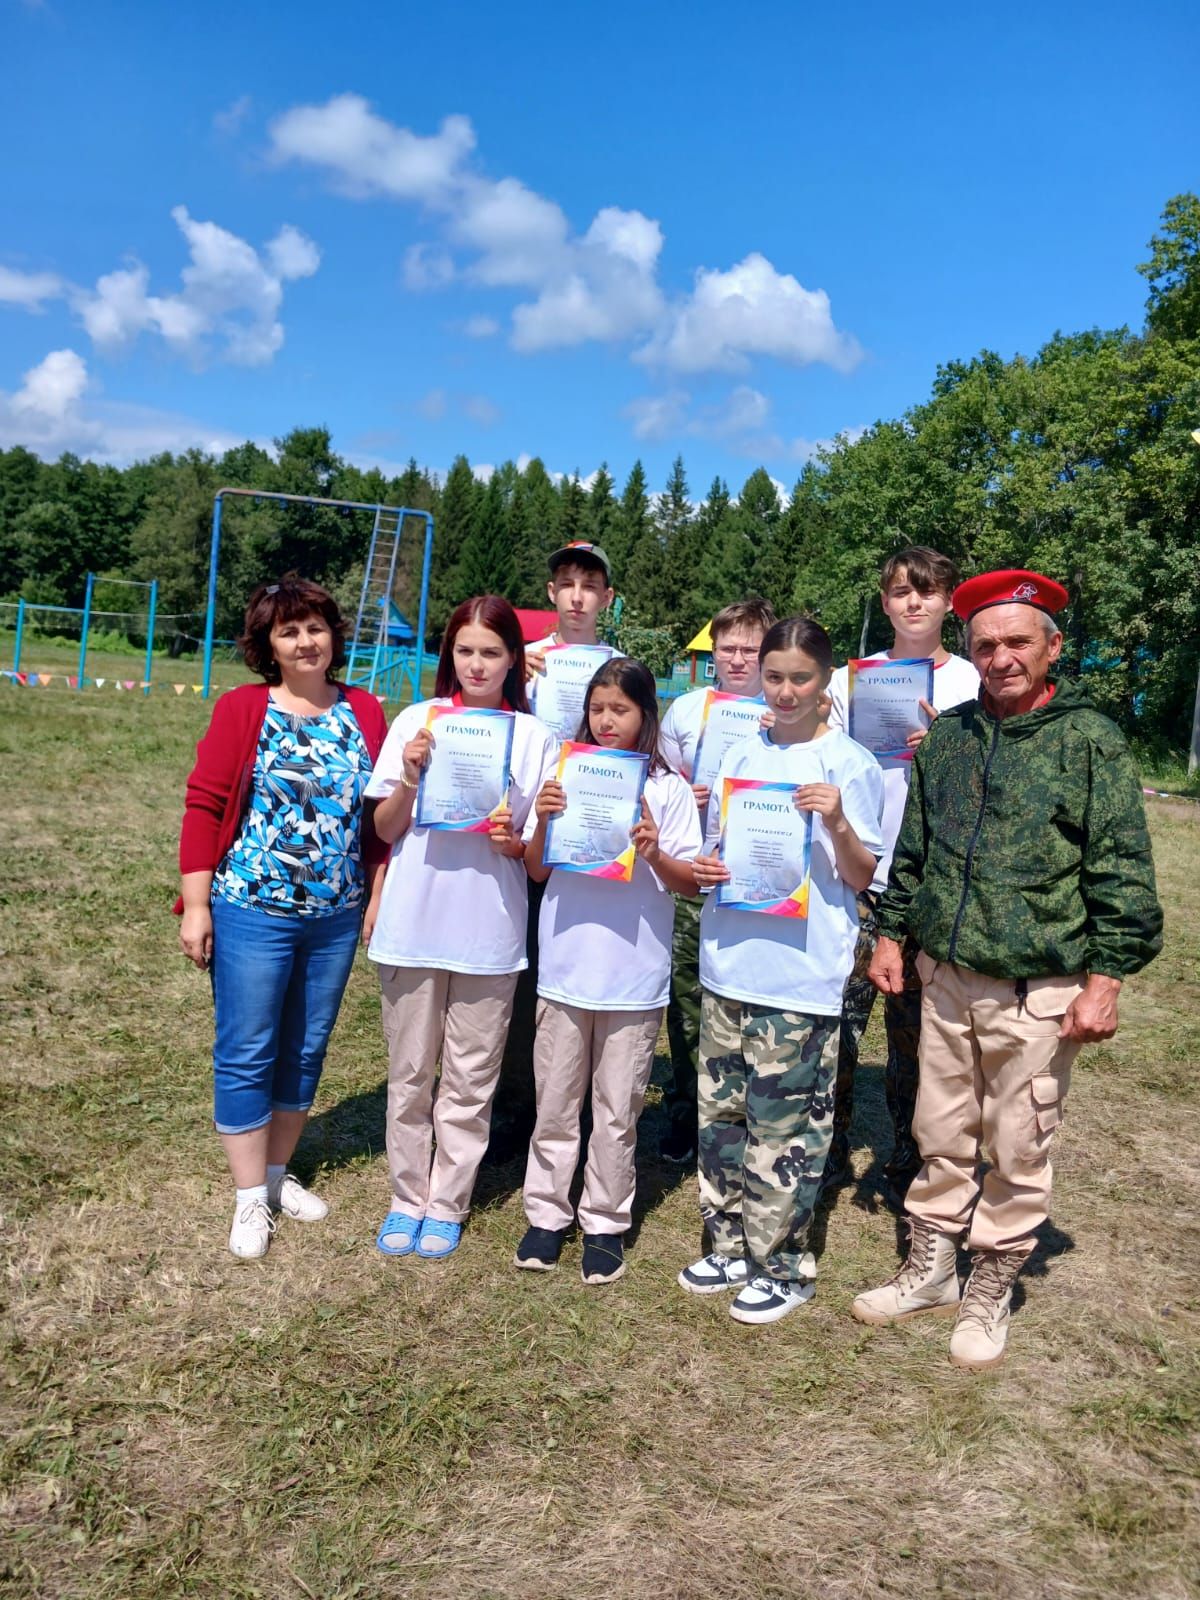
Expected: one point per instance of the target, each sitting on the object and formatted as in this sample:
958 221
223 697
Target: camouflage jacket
1024 851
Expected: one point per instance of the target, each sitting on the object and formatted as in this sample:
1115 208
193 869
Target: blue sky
587 233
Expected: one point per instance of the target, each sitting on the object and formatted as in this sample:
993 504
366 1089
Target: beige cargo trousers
993 1078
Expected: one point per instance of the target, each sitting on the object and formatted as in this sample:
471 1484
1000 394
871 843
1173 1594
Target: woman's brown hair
290 600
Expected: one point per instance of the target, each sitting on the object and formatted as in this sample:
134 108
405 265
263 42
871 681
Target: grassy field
329 1423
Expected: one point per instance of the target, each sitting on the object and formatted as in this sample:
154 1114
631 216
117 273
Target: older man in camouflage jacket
1023 872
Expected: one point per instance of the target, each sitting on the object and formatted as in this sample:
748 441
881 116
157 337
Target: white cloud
53 411
751 310
481 327
292 254
597 286
480 409
433 405
741 422
427 266
28 289
229 121
53 388
366 155
229 303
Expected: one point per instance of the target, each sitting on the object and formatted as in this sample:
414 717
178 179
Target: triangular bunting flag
21 677
72 683
130 683
197 688
45 679
145 684
100 682
179 687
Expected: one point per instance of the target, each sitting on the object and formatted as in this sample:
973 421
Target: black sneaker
603 1257
678 1145
540 1249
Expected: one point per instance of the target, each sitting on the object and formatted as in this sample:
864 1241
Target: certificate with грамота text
885 702
467 775
766 844
603 789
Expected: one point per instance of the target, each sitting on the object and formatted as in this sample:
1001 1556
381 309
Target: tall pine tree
486 565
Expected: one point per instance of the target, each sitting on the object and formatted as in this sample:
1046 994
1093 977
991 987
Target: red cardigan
218 789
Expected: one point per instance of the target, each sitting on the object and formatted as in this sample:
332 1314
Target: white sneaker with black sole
767 1299
714 1273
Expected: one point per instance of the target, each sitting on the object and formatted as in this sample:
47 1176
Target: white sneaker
252 1228
713 1273
294 1200
767 1299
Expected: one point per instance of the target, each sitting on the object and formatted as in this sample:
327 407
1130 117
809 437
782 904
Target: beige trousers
614 1052
464 1018
994 1074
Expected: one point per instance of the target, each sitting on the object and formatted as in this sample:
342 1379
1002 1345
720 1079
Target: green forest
1078 460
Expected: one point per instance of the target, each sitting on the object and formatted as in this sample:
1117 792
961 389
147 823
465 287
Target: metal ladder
374 608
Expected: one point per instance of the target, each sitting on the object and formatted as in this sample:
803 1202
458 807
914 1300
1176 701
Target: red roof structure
536 624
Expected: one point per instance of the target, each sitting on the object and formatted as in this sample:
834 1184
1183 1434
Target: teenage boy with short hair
915 586
737 632
579 588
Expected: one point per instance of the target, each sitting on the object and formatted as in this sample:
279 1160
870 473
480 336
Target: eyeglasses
746 651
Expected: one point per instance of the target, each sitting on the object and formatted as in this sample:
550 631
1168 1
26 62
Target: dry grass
332 1424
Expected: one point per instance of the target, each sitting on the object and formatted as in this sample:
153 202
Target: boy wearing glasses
737 632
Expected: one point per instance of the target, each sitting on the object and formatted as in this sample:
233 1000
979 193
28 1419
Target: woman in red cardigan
279 857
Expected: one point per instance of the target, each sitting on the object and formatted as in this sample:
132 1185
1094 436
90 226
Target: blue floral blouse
298 852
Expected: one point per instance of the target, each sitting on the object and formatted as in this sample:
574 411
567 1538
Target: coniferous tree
536 533
485 564
629 526
455 517
573 507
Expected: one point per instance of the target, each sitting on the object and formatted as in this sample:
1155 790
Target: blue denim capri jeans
277 985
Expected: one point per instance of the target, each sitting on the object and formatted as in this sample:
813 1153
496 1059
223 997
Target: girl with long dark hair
604 967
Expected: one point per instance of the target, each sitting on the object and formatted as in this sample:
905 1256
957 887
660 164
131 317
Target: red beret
1012 587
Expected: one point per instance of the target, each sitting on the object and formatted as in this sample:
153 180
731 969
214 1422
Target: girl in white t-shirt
450 937
772 993
604 951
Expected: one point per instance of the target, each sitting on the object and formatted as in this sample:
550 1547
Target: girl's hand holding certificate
500 835
823 798
644 834
416 754
551 800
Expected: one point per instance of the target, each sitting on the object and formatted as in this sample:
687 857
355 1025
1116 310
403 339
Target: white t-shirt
607 946
953 682
531 687
449 900
794 963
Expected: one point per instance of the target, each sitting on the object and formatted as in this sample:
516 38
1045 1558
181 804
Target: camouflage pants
683 1016
902 1023
765 1095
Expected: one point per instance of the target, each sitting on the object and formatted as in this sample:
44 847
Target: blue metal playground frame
399 512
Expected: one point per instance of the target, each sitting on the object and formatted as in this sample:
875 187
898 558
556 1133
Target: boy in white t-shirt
737 631
579 588
915 586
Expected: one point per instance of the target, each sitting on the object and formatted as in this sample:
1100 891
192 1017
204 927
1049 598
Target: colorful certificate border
858 667
715 697
794 904
619 870
470 824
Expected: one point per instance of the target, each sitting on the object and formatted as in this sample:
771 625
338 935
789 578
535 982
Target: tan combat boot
981 1332
927 1282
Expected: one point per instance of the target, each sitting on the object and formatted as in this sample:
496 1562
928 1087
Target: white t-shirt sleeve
862 803
839 693
669 746
679 823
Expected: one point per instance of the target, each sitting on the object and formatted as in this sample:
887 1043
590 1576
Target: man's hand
709 871
886 971
1093 1016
